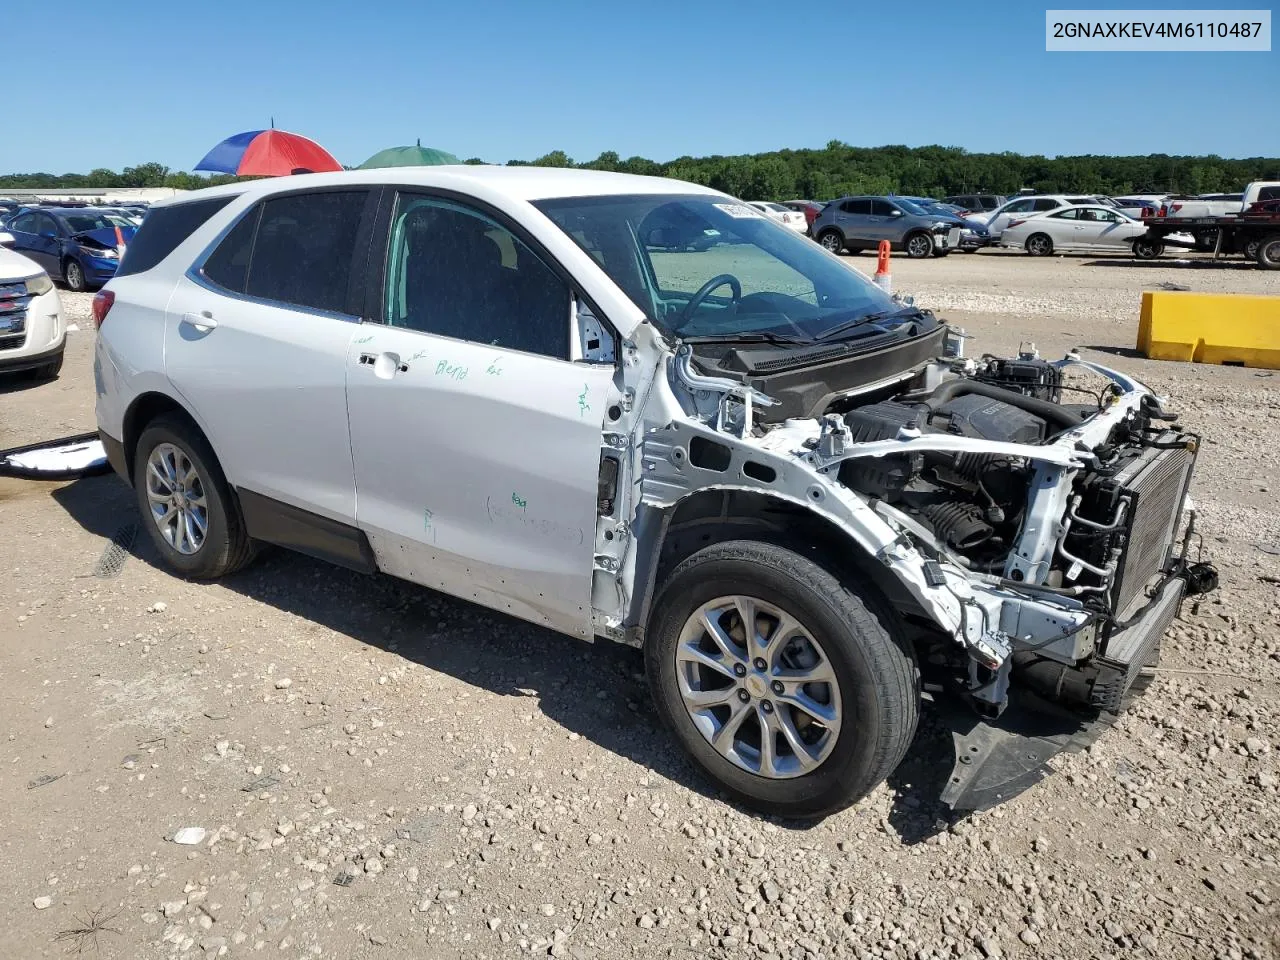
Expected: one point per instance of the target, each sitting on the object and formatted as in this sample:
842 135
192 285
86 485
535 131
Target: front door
256 340
476 440
35 236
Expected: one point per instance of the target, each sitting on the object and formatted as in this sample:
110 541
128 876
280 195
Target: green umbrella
415 156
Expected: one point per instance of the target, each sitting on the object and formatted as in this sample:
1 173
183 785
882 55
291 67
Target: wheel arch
145 408
666 535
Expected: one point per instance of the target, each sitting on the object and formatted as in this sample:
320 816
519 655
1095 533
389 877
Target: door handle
385 365
202 321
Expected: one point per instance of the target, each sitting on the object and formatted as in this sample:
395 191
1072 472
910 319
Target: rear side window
303 250
296 249
1268 193
1047 204
163 229
862 207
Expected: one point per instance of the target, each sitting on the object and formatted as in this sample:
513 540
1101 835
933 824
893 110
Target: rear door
854 218
256 339
475 436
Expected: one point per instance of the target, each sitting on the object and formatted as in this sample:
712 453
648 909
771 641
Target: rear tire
918 246
1250 249
870 689
223 545
1039 245
1268 255
832 240
73 274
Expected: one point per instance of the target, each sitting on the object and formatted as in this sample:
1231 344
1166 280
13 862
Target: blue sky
164 81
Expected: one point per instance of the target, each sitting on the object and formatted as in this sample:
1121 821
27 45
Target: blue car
973 235
76 245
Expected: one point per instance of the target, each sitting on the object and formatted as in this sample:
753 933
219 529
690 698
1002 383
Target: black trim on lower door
283 524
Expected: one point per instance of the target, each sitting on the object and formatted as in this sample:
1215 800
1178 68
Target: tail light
1174 207
103 300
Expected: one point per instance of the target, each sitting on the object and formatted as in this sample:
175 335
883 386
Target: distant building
106 196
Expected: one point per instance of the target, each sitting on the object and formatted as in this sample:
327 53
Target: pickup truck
1217 205
1255 234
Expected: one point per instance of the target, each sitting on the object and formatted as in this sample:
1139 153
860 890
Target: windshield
708 266
911 207
84 222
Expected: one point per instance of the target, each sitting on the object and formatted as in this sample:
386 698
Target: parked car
1072 227
791 219
76 245
504 383
860 223
973 235
997 219
811 209
1137 207
976 202
32 333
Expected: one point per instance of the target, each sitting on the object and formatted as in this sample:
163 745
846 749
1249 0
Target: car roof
522 183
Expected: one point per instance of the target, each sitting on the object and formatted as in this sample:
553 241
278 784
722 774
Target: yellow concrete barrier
1232 328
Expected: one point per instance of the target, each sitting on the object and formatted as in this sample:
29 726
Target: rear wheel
187 506
73 274
1145 248
919 246
1268 255
795 692
1250 249
831 240
1039 245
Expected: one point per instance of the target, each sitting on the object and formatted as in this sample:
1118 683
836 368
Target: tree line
835 170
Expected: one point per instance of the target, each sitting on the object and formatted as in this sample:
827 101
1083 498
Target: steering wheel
704 291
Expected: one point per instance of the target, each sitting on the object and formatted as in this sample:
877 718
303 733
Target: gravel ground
382 771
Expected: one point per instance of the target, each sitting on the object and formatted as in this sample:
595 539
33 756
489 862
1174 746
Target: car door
1111 228
35 236
884 222
1064 228
1000 219
854 219
256 341
475 437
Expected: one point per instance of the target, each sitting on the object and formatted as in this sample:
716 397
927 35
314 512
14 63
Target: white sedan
787 217
1072 227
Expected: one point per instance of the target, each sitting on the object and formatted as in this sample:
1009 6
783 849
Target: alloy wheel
758 687
831 241
175 492
919 246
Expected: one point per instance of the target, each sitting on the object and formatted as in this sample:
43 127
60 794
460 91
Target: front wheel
187 506
796 693
1144 248
73 273
1039 245
831 240
919 246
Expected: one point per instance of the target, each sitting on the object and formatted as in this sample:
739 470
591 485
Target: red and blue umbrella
268 153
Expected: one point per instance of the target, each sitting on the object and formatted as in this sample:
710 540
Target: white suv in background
32 334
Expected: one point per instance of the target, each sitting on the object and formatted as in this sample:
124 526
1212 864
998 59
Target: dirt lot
381 771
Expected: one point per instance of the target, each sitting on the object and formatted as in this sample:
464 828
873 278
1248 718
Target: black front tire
73 274
226 546
919 246
1147 249
874 665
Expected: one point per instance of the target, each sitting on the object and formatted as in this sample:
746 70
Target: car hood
14 266
105 237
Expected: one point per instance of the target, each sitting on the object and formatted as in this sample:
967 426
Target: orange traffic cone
882 279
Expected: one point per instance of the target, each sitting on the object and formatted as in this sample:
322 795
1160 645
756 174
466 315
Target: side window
24 224
453 271
46 226
1072 214
1019 206
1269 193
882 208
228 265
163 230
1045 204
861 207
304 247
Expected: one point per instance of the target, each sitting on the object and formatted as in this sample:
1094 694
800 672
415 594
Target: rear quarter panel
129 354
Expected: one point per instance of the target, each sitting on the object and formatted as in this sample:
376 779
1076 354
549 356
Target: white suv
638 409
32 333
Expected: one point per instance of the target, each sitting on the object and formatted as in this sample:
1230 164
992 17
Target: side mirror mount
591 341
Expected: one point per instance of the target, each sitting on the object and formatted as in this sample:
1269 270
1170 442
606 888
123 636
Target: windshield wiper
752 337
868 318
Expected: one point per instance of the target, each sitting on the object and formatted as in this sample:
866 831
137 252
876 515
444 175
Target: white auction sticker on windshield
739 211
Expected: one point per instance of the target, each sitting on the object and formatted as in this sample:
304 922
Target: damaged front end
1032 515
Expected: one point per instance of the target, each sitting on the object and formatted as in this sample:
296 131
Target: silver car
640 410
860 223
